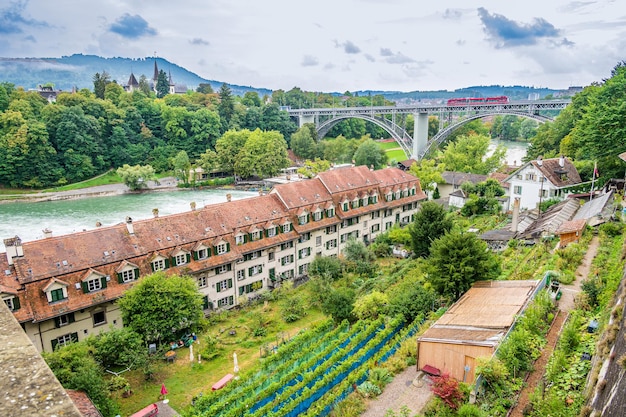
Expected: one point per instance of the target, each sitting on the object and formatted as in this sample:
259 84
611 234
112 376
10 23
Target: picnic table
222 382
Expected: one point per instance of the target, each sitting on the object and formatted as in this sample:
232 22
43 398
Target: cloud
309 61
395 57
350 48
12 19
369 58
452 14
198 41
508 33
132 27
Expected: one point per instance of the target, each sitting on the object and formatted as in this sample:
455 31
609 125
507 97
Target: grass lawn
185 379
397 154
388 145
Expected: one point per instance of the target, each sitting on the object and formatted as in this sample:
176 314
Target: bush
369 390
447 389
293 309
380 377
469 410
352 406
612 229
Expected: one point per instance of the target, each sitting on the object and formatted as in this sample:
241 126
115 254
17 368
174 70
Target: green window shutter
229 267
241 289
215 250
74 337
246 238
54 342
57 322
231 300
188 257
205 302
85 287
152 266
218 287
265 232
260 269
16 303
195 255
70 318
250 271
136 273
167 263
230 283
119 278
227 247
103 281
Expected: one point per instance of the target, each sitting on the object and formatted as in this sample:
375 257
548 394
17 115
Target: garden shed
473 327
570 231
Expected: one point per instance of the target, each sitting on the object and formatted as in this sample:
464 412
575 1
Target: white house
541 180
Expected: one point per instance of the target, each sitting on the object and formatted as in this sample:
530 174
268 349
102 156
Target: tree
229 146
428 172
339 304
357 258
304 143
226 106
160 307
100 82
251 99
411 299
325 267
75 368
264 155
370 155
469 154
118 347
163 85
430 223
204 88
371 305
182 165
137 176
208 161
312 168
457 260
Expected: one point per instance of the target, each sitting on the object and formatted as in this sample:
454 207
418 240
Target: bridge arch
443 134
397 133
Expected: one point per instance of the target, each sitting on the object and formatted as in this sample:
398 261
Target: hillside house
64 288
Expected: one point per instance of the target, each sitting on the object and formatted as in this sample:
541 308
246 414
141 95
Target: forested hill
78 70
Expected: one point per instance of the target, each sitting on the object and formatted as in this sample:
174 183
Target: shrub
369 390
351 406
380 377
469 410
612 229
447 389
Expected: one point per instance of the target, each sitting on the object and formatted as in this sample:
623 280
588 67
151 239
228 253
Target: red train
477 100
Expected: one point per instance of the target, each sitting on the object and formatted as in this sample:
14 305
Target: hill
78 70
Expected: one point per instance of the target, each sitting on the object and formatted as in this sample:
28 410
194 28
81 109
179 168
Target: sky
336 45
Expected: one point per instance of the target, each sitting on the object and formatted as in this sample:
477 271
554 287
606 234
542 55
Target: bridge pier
308 118
420 134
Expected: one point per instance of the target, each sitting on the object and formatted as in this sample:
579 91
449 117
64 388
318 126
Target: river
28 220
515 151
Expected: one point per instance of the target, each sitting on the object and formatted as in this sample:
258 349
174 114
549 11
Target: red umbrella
163 389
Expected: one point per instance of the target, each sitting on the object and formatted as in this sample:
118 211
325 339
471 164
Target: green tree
325 267
469 154
430 223
303 142
251 99
208 161
357 258
75 368
99 83
370 154
182 165
226 106
4 98
204 88
160 307
457 260
264 155
312 168
229 146
339 304
371 305
136 176
144 85
118 347
428 172
163 85
411 299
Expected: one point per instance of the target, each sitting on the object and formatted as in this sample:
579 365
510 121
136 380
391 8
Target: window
127 275
251 255
256 285
345 206
375 227
303 219
355 203
286 274
226 301
543 193
221 249
271 232
241 275
331 244
64 340
318 241
388 212
240 239
94 284
57 295
331 229
364 201
286 245
223 268
374 199
304 252
388 225
159 264
375 214
64 320
305 237
202 282
255 270
286 227
224 285
181 259
330 212
389 197
397 195
13 303
530 176
256 235
303 269
517 189
99 318
285 260
317 216
270 256
202 253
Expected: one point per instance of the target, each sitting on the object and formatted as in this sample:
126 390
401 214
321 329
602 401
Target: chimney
14 248
562 161
539 160
47 233
193 206
228 197
515 218
155 212
129 225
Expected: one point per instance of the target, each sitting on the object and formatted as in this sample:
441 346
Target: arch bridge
389 118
